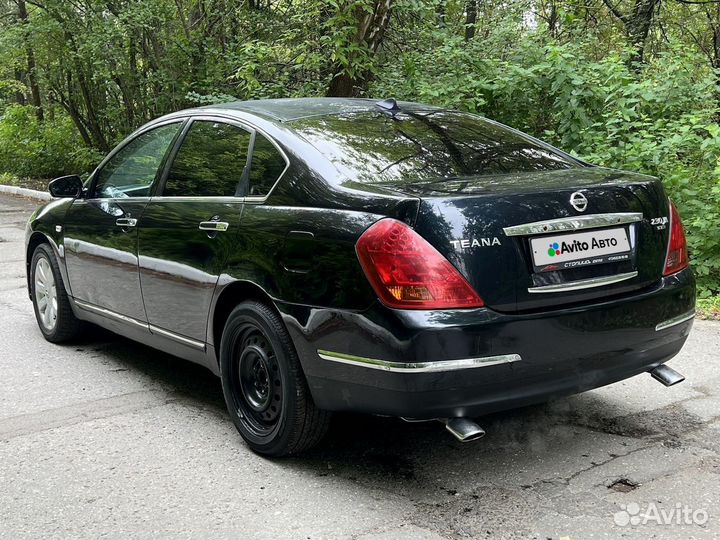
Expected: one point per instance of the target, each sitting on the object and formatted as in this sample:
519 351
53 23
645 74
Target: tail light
677 255
408 273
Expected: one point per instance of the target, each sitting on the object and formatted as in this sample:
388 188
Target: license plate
563 251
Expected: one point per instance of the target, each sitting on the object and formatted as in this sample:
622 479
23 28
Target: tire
54 316
264 387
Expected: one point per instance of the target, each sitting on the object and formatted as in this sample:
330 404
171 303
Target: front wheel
53 312
264 387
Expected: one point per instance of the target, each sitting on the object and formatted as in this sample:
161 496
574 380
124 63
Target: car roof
289 109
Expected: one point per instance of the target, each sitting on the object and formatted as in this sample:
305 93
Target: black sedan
353 255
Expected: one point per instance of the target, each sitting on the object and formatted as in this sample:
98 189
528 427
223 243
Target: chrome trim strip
149 327
583 283
574 223
227 116
418 367
675 320
110 314
228 199
176 337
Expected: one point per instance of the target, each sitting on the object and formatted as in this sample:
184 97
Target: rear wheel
265 390
53 312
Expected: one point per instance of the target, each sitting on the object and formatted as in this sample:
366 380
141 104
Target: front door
189 228
101 229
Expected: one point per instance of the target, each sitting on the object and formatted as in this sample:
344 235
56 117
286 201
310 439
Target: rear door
189 228
100 233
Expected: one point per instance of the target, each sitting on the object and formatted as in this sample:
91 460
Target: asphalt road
106 438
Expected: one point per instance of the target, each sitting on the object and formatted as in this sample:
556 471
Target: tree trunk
440 12
470 19
92 123
370 33
70 106
125 94
31 72
715 27
19 94
637 26
552 19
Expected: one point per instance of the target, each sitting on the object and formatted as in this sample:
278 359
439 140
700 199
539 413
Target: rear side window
266 167
210 162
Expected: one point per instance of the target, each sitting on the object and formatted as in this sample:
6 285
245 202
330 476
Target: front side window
132 170
266 167
210 162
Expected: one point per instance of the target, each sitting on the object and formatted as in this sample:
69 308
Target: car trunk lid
481 224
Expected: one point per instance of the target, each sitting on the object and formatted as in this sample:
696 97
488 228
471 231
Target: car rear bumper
433 364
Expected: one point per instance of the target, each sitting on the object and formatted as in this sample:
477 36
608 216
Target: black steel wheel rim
256 381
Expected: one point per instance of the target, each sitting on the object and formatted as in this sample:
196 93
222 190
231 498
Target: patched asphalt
105 438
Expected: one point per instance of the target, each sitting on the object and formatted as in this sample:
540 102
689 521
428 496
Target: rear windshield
424 145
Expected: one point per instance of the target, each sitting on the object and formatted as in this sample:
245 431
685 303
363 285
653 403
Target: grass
709 308
32 183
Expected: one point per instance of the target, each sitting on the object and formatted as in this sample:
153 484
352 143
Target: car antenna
389 105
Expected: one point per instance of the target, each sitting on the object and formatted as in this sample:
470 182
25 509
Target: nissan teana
381 257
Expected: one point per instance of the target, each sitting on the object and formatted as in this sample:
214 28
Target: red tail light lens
408 273
677 255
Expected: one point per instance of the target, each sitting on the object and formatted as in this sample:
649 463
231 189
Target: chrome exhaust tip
666 375
464 429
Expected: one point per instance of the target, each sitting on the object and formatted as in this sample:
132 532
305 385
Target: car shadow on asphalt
181 380
389 449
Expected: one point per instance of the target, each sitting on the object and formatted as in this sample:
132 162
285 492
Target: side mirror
66 186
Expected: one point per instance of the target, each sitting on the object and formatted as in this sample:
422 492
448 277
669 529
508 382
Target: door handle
125 222
213 226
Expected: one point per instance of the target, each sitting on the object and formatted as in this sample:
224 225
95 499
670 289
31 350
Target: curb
25 192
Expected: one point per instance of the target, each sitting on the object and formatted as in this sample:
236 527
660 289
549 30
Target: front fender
46 225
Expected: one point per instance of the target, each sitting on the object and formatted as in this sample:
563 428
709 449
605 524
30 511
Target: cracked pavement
105 438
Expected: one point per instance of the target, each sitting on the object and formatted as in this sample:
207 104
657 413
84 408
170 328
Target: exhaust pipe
464 429
666 375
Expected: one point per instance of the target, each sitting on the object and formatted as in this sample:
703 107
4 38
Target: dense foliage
624 83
